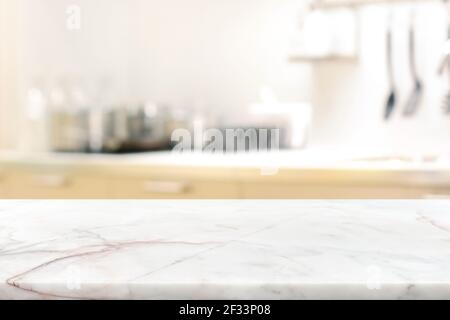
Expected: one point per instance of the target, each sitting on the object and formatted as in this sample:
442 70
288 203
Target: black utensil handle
389 53
448 37
412 52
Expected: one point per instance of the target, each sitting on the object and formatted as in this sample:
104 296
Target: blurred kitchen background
91 91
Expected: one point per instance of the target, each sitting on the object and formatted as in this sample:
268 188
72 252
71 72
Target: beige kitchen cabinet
55 185
343 184
42 180
2 184
126 182
173 189
175 183
298 191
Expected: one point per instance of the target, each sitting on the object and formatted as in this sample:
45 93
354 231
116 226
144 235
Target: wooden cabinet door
56 185
142 188
2 184
300 191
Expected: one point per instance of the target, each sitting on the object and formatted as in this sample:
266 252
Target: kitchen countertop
319 158
225 249
318 166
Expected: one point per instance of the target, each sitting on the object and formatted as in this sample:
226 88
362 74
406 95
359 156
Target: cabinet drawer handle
51 181
169 187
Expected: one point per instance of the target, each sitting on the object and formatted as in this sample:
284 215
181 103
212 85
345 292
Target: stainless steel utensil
391 100
147 129
445 64
416 95
446 103
68 131
68 118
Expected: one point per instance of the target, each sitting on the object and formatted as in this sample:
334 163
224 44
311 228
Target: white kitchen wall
349 98
218 54
213 53
9 113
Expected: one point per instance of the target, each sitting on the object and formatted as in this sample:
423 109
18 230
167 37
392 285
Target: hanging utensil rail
337 4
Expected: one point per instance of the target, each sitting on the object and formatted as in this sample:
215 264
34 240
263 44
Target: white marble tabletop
225 249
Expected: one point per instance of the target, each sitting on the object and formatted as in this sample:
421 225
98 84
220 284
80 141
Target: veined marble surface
225 249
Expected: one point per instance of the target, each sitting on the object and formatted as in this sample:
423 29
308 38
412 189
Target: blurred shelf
316 59
327 4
